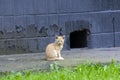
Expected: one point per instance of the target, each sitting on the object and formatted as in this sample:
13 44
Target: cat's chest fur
58 47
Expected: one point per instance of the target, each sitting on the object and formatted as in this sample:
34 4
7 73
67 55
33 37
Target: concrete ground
36 61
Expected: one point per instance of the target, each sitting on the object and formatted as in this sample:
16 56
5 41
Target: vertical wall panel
52 6
20 26
81 5
8 24
116 21
22 45
116 4
63 19
6 7
10 46
42 25
19 7
29 7
102 40
53 25
117 39
32 45
31 28
40 6
2 46
64 6
101 23
1 27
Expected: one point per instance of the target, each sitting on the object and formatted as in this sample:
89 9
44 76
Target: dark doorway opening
78 39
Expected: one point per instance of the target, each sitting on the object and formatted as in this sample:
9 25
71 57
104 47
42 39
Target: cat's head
59 40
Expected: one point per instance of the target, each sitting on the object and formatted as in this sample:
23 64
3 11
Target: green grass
85 71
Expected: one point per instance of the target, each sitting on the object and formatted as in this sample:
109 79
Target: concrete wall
29 25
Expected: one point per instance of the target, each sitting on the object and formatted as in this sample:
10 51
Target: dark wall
29 25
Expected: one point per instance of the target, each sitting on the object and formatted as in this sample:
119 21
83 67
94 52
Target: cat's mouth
59 43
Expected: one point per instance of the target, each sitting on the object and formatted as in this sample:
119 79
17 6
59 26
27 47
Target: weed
85 71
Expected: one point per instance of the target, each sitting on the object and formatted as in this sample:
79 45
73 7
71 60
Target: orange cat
53 50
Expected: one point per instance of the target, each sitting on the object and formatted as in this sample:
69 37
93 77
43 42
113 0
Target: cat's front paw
61 58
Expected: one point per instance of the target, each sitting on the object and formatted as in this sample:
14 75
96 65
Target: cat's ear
56 36
63 36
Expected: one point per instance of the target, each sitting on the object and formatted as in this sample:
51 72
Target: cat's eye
56 37
63 37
